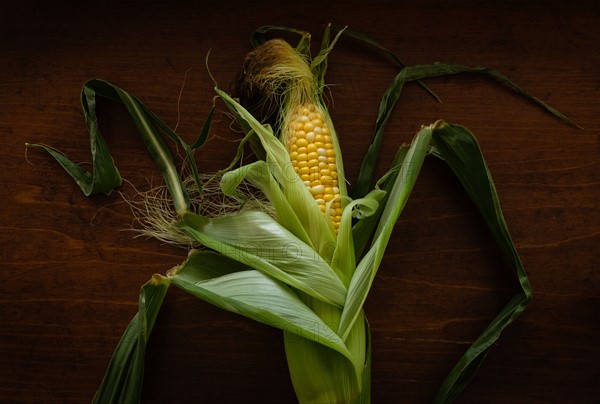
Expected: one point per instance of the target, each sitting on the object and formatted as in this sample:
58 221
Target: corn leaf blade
344 256
105 175
256 239
237 288
445 69
362 231
369 163
122 382
133 104
366 270
459 148
258 175
416 73
319 63
319 374
372 42
203 136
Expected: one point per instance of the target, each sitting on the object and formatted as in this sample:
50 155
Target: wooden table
71 271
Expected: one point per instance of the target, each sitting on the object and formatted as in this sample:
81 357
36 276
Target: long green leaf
203 136
159 124
257 240
369 163
372 42
105 176
322 375
445 69
416 73
122 381
459 148
367 268
319 63
362 230
220 281
158 151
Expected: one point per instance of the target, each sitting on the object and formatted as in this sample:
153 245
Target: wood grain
71 271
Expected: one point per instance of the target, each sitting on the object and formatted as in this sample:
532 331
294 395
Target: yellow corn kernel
313 156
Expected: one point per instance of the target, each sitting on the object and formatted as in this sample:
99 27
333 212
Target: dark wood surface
71 271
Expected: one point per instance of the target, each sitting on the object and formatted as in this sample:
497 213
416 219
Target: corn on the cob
313 158
278 81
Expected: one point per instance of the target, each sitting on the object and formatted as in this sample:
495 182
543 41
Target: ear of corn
318 303
278 78
302 204
313 157
284 82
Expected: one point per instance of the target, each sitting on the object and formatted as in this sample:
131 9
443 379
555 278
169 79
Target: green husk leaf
320 375
298 196
318 65
344 256
122 381
256 239
258 174
365 393
158 151
237 288
367 169
203 136
459 148
105 176
372 42
415 73
159 124
362 231
367 267
338 152
445 69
